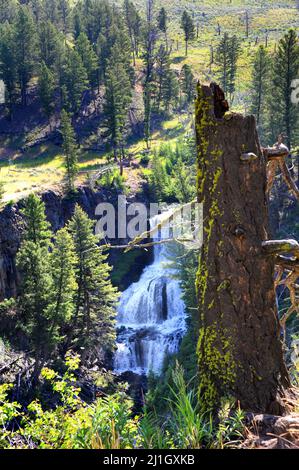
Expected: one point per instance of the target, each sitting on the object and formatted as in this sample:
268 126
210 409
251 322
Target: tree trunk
240 350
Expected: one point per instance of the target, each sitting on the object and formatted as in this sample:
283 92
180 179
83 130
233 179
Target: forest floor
272 432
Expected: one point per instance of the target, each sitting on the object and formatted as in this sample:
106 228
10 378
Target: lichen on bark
239 349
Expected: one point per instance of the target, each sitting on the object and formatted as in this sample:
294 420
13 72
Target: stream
151 317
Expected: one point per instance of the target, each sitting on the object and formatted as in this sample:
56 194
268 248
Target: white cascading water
151 318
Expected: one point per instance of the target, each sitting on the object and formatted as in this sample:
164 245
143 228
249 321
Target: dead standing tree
240 350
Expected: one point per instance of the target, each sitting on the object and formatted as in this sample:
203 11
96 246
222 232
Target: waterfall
151 318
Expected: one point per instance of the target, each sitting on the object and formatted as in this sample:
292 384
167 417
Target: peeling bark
240 349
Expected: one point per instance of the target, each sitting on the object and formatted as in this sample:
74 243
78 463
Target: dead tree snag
240 348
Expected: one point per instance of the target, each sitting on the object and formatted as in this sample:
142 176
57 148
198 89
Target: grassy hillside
268 20
42 166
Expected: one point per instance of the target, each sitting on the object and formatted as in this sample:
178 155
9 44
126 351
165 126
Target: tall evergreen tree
62 262
36 283
8 65
46 89
133 22
184 187
74 81
118 97
37 228
93 324
187 25
25 46
227 54
167 86
170 90
49 40
69 146
187 83
35 300
162 22
150 39
260 84
285 70
161 69
63 10
89 59
159 180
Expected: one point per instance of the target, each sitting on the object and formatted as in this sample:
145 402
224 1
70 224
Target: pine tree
69 146
93 324
188 27
170 90
148 94
133 22
63 10
49 43
36 283
285 70
62 262
149 45
234 53
187 84
77 24
227 54
184 187
8 67
162 22
37 228
118 97
260 84
46 89
25 46
166 84
161 73
35 299
51 11
89 59
74 81
159 180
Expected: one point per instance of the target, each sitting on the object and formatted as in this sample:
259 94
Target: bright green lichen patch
215 347
223 286
218 368
207 180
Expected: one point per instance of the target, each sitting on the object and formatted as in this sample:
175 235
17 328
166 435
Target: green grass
272 18
42 167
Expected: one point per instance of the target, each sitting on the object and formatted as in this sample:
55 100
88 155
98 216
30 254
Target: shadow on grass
36 157
178 60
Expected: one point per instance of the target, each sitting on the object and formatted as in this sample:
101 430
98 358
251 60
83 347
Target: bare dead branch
278 247
277 159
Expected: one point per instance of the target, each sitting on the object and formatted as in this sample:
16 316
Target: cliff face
59 210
